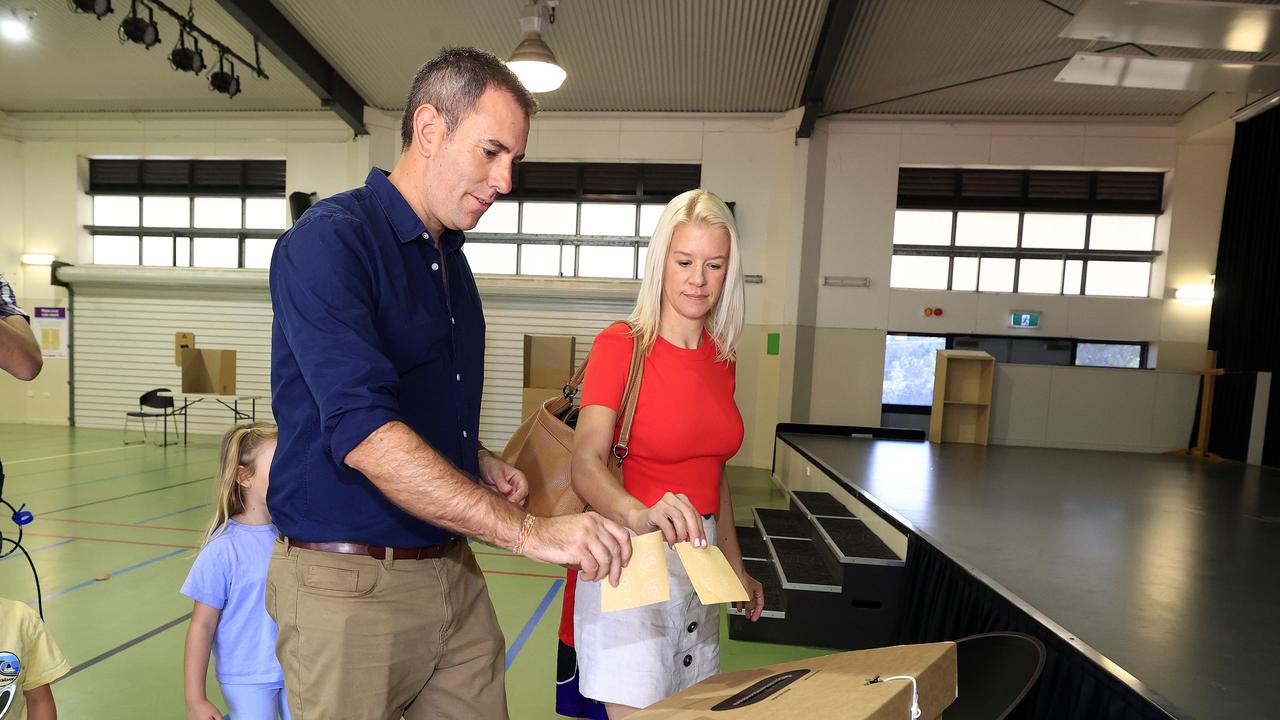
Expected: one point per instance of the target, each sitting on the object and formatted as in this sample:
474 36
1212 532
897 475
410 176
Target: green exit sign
1024 319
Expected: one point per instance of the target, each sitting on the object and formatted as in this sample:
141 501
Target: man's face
472 167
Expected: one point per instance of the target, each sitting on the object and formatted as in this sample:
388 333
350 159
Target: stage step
782 523
819 504
801 568
851 541
752 544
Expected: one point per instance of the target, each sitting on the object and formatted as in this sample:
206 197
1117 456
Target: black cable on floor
17 545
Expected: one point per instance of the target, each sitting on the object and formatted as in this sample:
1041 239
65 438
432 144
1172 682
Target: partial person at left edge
19 351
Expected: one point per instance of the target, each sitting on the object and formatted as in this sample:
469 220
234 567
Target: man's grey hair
453 82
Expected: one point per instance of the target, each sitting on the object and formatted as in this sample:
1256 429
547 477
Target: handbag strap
630 394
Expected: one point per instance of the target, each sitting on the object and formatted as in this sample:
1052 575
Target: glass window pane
217 212
1113 277
501 217
215 252
649 216
1028 351
491 258
1109 355
184 252
608 219
922 227
964 274
257 252
996 275
266 213
1053 230
1071 277
540 260
1040 276
544 218
568 258
987 229
157 251
908 369
115 210
643 251
115 250
606 261
163 211
1122 232
919 271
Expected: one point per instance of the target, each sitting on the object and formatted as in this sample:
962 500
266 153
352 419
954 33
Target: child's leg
282 701
252 702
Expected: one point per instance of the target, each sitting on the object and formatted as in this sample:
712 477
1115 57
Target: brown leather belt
430 552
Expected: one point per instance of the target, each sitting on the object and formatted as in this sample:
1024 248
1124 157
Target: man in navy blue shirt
377 369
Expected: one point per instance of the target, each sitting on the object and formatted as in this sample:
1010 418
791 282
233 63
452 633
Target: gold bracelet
526 529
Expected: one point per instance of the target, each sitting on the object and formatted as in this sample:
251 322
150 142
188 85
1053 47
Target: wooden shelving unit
962 397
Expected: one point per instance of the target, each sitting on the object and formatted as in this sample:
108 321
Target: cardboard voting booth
548 365
208 371
856 685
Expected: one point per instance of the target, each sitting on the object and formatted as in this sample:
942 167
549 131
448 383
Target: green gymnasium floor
134 515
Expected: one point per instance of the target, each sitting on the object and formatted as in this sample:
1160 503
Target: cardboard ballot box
208 371
533 397
548 360
851 685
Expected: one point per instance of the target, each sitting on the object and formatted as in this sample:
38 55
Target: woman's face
697 264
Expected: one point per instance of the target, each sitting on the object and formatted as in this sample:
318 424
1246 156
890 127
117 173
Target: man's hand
502 478
597 546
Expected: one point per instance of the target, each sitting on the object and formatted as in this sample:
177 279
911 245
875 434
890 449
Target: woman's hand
754 604
675 516
203 710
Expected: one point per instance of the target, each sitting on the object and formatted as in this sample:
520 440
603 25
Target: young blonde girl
228 583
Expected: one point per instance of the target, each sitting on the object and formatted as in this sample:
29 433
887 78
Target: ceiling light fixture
15 25
187 59
97 8
532 61
37 259
143 32
224 79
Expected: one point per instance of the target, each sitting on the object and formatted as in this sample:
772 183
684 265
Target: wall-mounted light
37 259
15 25
845 281
753 279
532 61
1196 293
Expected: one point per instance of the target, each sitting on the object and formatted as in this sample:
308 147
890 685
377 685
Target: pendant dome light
532 61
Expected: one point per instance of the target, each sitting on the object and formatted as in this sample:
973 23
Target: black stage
1161 572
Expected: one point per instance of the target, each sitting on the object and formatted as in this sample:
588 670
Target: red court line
116 524
109 540
521 574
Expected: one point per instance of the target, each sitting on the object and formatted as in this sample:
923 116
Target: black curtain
1244 326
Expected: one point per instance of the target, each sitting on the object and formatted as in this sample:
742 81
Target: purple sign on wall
52 313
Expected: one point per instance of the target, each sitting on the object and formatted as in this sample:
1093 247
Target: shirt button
435 266
688 660
426 236
459 376
453 320
464 433
693 626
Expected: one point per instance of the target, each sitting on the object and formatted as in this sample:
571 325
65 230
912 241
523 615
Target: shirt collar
407 224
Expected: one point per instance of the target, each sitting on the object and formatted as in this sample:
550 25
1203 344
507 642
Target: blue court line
137 473
33 551
527 630
113 574
168 514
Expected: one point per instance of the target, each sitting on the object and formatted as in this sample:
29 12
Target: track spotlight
143 32
187 59
98 8
224 80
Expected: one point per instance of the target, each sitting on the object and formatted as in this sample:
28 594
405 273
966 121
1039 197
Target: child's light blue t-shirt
230 574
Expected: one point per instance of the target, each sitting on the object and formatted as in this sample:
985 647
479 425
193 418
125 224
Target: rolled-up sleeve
324 299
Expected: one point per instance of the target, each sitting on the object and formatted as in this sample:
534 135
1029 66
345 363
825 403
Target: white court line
82 452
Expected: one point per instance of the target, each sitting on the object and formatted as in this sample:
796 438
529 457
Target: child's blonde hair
239 448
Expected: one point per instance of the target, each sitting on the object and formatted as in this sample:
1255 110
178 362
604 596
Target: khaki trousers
367 639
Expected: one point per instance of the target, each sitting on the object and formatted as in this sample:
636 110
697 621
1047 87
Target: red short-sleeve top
686 425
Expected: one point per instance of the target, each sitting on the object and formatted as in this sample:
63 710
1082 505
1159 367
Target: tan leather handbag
542 447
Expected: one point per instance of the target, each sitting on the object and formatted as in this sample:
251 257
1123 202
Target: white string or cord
915 694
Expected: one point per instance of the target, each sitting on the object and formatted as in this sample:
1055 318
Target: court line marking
527 630
111 540
123 646
124 525
122 497
82 452
113 573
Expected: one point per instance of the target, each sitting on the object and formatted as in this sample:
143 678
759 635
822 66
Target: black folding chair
155 401
994 672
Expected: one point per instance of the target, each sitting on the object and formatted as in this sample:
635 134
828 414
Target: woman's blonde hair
695 207
239 448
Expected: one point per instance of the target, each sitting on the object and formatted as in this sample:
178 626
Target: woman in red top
687 319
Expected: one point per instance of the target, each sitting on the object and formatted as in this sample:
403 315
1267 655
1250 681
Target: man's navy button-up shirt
368 329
